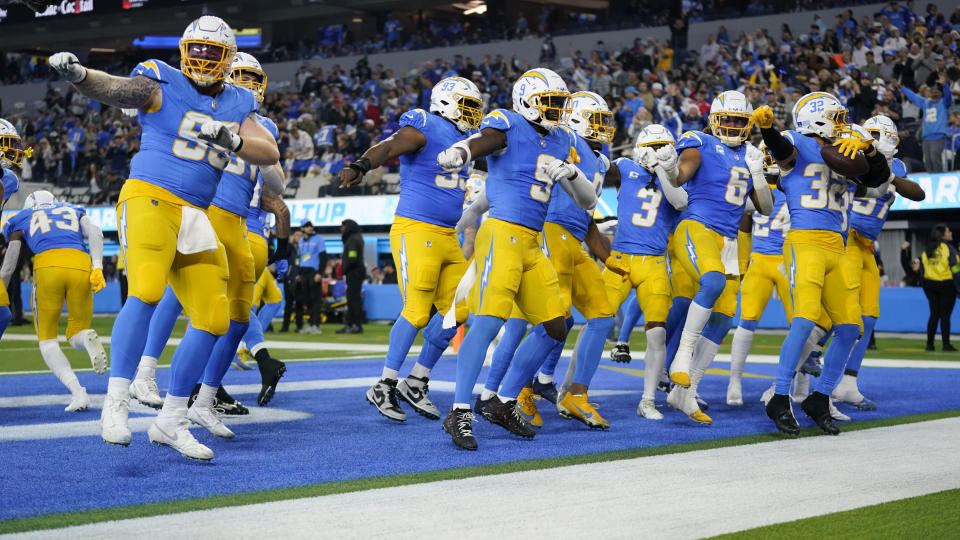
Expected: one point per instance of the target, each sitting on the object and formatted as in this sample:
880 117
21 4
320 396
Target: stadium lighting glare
473 7
357 19
102 50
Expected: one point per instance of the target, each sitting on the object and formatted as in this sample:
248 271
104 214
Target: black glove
280 252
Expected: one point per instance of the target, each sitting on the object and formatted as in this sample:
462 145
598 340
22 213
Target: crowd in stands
902 62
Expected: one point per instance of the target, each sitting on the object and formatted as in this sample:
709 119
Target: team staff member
354 272
940 262
313 259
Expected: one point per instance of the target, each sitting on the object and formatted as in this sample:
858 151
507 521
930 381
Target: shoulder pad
497 119
415 118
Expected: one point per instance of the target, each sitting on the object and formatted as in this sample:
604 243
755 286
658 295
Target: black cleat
225 404
546 391
621 353
779 410
817 407
505 415
459 424
271 370
481 404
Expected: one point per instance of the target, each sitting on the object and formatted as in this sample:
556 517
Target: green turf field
19 355
927 516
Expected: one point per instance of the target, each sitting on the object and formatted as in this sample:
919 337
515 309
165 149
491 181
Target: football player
819 274
648 208
423 238
764 273
191 121
11 155
63 272
719 171
526 154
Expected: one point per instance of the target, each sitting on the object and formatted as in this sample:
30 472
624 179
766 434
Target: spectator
389 275
938 259
313 257
934 106
354 272
291 280
912 269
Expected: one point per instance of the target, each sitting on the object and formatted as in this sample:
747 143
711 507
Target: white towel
730 257
196 233
463 290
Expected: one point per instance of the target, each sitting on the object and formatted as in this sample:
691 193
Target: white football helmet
653 136
590 117
820 113
12 151
770 166
459 101
541 96
247 72
206 50
882 128
731 107
37 198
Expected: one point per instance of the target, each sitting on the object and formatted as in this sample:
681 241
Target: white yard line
677 496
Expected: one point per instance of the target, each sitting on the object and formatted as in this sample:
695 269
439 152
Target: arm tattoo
273 203
124 92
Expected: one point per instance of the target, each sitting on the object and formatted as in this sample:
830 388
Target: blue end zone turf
344 438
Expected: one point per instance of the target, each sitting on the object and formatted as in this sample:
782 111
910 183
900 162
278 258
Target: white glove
604 160
754 160
886 147
607 227
131 113
647 157
68 67
667 157
557 170
214 131
455 157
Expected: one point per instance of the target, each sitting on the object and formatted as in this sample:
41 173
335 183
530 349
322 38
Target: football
842 165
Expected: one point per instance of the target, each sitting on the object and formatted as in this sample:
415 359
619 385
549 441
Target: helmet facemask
601 126
841 126
12 151
731 135
250 78
205 61
470 111
554 106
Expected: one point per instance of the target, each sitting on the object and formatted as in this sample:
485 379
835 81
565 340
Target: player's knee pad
418 318
216 319
149 283
240 310
711 286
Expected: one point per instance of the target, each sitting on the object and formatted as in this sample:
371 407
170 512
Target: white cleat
768 394
734 393
145 391
836 414
113 421
685 401
847 392
80 401
98 357
180 439
648 410
206 417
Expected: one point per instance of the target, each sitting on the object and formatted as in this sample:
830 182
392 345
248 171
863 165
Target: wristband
361 165
239 146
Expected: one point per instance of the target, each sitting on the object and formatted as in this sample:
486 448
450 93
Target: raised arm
782 150
406 140
136 92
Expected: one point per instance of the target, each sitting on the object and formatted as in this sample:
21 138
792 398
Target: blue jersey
427 192
11 184
816 196
645 218
718 191
257 218
562 210
48 226
240 180
310 250
769 231
171 155
517 187
867 216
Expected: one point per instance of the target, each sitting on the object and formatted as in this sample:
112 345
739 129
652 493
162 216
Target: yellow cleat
528 409
576 407
680 378
243 359
699 417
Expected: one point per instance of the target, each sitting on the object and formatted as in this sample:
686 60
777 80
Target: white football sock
59 365
77 341
388 373
174 409
420 371
147 368
206 396
703 356
118 388
543 378
257 348
654 359
461 406
487 394
739 349
697 317
812 344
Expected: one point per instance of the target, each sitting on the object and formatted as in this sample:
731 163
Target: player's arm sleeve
10 261
779 146
94 237
471 215
273 179
580 189
879 173
676 196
